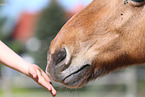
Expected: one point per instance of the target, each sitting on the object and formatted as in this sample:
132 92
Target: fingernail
50 83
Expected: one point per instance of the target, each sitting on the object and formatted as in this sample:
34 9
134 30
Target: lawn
61 92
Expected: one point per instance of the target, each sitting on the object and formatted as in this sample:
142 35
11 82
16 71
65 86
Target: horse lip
85 68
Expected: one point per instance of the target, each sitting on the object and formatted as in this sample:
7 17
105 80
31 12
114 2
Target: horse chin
76 79
75 84
72 76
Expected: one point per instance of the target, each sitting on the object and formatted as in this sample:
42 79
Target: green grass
28 92
89 91
61 92
1 93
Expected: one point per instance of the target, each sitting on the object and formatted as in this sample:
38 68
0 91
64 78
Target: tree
50 22
1 1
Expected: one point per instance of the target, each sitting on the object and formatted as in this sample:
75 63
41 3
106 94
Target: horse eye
136 3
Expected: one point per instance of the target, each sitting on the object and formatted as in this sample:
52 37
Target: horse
105 36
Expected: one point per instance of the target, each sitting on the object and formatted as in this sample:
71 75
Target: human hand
9 58
39 76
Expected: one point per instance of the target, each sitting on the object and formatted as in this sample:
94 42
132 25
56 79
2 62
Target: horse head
105 36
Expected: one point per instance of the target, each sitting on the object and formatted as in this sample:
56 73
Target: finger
44 83
46 77
43 75
39 71
48 86
49 82
44 80
53 91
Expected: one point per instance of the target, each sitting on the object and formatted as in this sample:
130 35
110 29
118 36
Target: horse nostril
59 56
137 3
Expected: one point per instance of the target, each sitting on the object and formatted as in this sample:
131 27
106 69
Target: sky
70 4
13 8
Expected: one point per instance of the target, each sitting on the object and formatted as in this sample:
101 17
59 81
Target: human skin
10 59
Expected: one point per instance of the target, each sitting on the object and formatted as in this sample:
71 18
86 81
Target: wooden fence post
131 82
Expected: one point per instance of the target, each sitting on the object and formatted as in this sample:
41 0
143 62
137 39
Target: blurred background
28 26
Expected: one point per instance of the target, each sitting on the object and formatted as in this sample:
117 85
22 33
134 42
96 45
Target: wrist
28 69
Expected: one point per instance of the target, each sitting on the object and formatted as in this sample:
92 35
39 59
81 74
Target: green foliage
8 40
1 32
50 22
1 1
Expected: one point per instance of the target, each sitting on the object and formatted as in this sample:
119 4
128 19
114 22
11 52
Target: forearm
12 60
